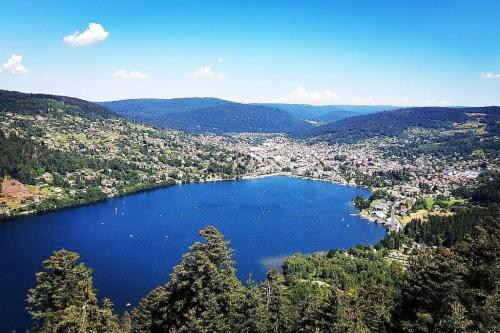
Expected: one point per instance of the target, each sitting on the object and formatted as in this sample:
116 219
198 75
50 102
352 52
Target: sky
412 52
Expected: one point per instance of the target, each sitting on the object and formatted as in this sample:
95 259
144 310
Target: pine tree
147 317
126 323
250 315
277 301
432 284
480 255
64 299
377 303
311 318
202 289
105 320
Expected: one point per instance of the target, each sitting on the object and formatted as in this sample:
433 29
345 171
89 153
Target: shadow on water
269 263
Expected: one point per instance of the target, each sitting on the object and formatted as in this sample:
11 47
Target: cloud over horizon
301 96
135 74
14 66
490 75
206 72
95 34
436 102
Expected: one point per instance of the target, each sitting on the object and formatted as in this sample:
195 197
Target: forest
229 117
12 101
394 123
450 230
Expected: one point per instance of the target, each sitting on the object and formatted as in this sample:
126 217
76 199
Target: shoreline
7 219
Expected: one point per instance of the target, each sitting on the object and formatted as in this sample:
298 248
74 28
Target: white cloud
94 34
436 102
490 75
206 72
124 74
302 96
14 65
362 101
220 60
403 102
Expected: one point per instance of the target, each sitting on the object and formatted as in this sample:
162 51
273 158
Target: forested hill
151 107
236 118
329 113
208 115
59 152
392 123
42 104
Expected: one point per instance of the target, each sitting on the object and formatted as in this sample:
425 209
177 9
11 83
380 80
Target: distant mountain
17 102
145 107
333 116
208 115
346 111
329 113
237 118
391 123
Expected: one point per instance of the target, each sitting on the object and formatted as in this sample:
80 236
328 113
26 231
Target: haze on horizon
327 52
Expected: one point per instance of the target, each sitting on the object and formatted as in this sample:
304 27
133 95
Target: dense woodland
394 123
12 101
25 159
450 287
209 115
449 230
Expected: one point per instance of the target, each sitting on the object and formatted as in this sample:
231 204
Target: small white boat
131 236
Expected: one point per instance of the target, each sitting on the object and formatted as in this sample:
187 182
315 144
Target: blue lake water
133 242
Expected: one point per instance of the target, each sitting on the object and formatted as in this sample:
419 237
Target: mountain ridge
390 123
207 114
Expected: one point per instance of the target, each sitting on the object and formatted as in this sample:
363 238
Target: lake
133 242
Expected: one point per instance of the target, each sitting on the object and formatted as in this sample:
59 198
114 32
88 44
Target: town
142 157
368 163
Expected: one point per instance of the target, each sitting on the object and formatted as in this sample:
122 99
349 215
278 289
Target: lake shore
9 218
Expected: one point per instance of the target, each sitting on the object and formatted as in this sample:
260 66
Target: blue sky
409 52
